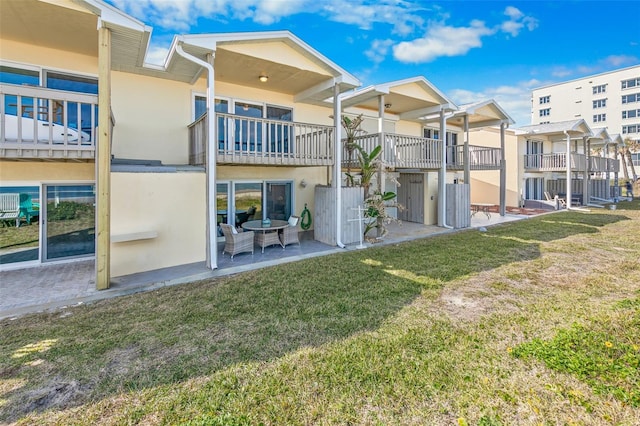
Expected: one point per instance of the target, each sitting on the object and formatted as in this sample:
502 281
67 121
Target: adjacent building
609 100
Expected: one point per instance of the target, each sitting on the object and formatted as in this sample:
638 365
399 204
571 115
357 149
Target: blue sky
470 50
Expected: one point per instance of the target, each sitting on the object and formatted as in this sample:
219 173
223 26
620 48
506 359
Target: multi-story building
610 100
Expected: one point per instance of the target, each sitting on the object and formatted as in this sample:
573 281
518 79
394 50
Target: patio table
266 235
481 207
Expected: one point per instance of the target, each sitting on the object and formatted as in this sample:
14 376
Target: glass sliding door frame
67 221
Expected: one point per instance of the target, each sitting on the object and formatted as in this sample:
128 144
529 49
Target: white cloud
515 100
441 40
180 15
620 60
402 15
517 21
156 55
378 50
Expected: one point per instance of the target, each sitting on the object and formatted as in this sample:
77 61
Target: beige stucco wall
169 204
19 172
151 116
485 185
29 54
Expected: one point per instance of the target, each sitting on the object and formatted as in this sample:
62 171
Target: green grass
498 328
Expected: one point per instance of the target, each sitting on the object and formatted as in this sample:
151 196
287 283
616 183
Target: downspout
212 231
465 152
503 171
568 173
442 180
337 168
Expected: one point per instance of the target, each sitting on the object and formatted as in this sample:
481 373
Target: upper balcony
41 123
411 152
603 165
259 141
557 162
554 162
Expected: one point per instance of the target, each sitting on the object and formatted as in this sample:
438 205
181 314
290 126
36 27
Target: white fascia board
362 95
112 15
428 114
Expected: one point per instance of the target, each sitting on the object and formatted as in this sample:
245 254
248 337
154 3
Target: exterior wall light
263 78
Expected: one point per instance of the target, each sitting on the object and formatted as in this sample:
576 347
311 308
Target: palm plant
630 146
352 129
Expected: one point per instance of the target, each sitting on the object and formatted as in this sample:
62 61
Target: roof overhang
600 137
292 66
411 99
575 129
480 115
71 26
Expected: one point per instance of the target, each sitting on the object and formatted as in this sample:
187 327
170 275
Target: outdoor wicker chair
289 235
236 242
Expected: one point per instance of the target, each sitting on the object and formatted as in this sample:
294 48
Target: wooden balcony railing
399 151
554 162
480 157
247 140
37 122
412 152
557 162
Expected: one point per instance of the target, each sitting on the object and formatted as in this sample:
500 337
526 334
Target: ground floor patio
51 287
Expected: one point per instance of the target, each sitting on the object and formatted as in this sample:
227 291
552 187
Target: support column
383 142
568 172
586 144
616 196
503 172
337 161
103 162
211 169
442 177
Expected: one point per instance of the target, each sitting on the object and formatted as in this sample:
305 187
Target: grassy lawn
535 322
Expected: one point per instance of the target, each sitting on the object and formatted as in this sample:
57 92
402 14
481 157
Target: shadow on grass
194 330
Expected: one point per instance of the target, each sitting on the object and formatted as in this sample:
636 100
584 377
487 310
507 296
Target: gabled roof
600 135
556 131
481 114
291 65
72 26
411 98
616 139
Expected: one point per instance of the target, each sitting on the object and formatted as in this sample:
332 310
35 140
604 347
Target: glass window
71 83
19 76
600 103
545 99
20 243
199 106
545 112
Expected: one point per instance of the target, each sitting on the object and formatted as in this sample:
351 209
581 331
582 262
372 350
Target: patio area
61 285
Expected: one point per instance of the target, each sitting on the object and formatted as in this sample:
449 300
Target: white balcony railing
480 157
247 140
399 151
37 122
554 161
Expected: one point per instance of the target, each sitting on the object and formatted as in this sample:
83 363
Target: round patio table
269 233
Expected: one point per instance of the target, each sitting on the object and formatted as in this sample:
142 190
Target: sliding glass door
279 200
69 226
